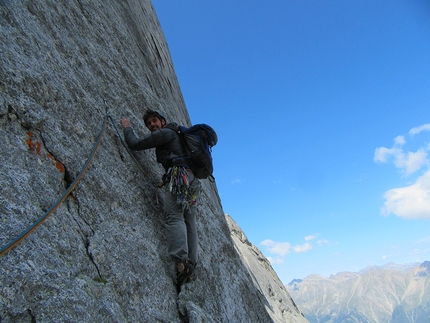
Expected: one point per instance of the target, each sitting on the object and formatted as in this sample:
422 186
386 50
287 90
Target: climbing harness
23 235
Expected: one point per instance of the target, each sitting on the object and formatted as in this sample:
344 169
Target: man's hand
125 123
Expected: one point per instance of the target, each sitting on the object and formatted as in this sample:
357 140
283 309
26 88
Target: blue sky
322 109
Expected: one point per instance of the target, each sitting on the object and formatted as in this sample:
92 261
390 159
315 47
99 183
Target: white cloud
413 201
400 140
410 202
382 154
414 161
311 237
322 242
277 248
281 249
417 251
417 130
303 248
408 161
236 181
274 261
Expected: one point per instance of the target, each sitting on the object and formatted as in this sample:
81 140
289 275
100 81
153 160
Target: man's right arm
152 140
131 139
136 143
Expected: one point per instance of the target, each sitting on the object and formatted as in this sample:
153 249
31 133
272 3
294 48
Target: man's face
153 123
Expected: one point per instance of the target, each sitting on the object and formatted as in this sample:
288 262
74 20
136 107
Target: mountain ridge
389 293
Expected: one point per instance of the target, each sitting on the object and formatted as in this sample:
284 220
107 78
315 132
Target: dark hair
151 113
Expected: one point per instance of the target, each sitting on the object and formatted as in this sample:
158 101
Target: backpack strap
183 141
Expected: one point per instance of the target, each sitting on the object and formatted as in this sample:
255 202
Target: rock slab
101 256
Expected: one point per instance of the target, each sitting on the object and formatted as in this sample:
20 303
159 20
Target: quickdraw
180 186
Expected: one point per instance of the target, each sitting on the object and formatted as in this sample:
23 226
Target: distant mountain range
388 294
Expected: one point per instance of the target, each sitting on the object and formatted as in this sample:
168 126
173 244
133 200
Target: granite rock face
279 303
101 256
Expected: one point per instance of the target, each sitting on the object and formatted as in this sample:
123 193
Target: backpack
198 141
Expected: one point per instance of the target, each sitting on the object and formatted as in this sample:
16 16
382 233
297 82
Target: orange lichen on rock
29 140
60 166
57 163
38 148
32 144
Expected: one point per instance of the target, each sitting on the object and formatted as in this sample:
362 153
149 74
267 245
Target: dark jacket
166 142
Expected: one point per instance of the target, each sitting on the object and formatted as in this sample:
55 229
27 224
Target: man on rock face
182 192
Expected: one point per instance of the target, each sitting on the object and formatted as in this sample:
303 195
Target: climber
181 193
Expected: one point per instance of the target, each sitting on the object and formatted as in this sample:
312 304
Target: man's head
154 120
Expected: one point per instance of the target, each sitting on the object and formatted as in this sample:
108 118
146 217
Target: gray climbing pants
181 230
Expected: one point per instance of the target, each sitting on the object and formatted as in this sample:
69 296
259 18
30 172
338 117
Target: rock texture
278 302
101 256
391 293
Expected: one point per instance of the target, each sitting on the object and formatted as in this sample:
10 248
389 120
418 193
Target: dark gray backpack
198 141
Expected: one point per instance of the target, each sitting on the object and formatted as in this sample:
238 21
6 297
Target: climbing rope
28 231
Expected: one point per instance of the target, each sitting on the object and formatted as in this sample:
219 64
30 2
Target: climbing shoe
186 275
192 278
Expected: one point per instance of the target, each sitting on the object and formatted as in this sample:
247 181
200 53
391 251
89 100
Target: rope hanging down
23 235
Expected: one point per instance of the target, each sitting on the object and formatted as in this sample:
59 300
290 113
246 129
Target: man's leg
176 230
190 220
